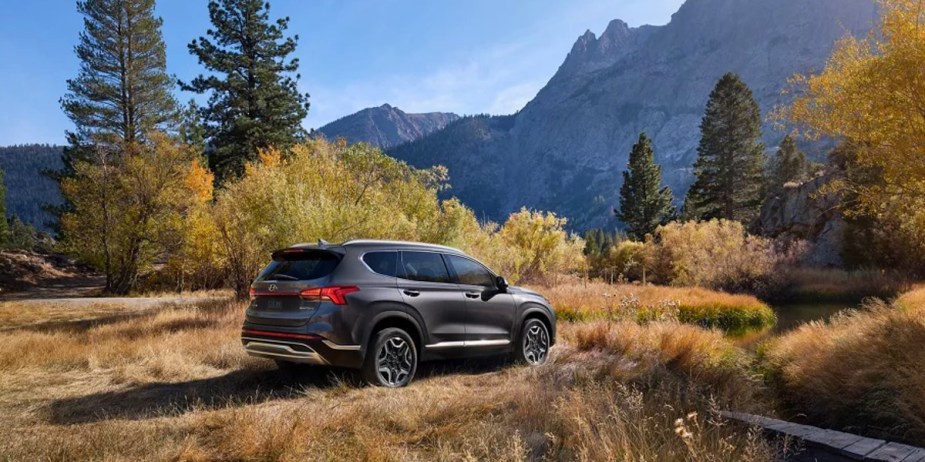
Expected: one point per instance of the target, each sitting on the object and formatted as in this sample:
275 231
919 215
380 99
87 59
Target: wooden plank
834 439
917 456
863 447
797 430
891 452
833 442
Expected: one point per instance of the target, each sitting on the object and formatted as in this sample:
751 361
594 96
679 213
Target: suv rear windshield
299 266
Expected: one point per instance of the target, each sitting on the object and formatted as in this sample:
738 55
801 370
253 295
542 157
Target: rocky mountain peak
590 53
386 126
576 135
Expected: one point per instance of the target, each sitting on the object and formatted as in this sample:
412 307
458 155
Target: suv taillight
333 294
253 293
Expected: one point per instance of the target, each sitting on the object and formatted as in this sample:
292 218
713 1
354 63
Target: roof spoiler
303 248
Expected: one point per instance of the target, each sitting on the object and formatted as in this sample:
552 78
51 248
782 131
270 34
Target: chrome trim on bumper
262 348
335 346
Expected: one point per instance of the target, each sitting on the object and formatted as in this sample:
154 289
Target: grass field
176 385
595 300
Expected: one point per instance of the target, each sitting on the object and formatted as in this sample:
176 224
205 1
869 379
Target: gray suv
383 306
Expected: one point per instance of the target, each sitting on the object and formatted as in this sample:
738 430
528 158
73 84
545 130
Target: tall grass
590 301
815 285
863 371
176 385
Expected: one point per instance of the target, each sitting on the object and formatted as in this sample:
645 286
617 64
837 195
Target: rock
807 212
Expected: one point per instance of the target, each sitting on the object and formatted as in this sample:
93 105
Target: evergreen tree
122 91
789 165
254 103
191 130
3 224
729 168
599 241
644 203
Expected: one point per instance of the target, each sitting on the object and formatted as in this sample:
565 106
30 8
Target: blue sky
463 56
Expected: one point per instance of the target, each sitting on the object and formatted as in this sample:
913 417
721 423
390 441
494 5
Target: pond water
789 317
792 316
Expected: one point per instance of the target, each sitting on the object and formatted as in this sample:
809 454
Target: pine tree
729 170
644 203
254 103
789 165
191 130
599 241
122 91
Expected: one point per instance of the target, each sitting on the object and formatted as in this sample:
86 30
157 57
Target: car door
426 286
490 313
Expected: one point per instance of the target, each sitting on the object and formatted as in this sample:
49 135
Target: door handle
473 294
411 293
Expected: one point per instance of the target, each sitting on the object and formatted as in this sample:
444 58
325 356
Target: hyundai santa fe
383 306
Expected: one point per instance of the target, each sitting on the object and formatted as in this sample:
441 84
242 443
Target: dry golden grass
595 300
48 312
863 371
831 285
176 385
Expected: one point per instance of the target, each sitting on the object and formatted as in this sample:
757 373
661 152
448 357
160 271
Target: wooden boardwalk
830 445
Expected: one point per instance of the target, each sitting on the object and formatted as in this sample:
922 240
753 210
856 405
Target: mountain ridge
576 134
386 126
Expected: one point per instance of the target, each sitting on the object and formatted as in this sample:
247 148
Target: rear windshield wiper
284 276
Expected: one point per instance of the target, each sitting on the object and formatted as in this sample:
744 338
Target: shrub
337 192
717 254
540 246
325 191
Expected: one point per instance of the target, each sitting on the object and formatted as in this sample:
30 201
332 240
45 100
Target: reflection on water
789 317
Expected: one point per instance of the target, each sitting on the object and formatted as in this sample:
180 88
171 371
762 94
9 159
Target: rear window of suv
299 266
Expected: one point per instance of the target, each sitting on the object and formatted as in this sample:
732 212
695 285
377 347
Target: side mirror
501 283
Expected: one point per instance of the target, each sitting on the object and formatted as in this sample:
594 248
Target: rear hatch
281 293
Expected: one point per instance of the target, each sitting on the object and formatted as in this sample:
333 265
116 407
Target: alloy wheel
395 361
536 344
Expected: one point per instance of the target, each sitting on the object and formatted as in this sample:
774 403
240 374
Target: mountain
386 126
565 150
28 190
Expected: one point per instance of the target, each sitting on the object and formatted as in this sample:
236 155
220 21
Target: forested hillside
28 190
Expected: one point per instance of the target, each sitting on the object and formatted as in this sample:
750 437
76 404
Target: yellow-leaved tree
330 191
871 96
539 245
336 192
128 207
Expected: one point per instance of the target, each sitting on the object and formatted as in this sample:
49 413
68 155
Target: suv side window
469 272
384 263
424 266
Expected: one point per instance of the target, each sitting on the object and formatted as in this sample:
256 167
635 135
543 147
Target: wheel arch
399 319
541 313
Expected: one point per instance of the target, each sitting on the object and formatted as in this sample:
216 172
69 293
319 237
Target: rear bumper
300 348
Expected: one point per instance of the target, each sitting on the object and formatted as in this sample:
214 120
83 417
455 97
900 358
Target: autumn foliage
871 96
129 206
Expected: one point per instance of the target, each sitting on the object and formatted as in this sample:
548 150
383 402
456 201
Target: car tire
391 360
533 343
